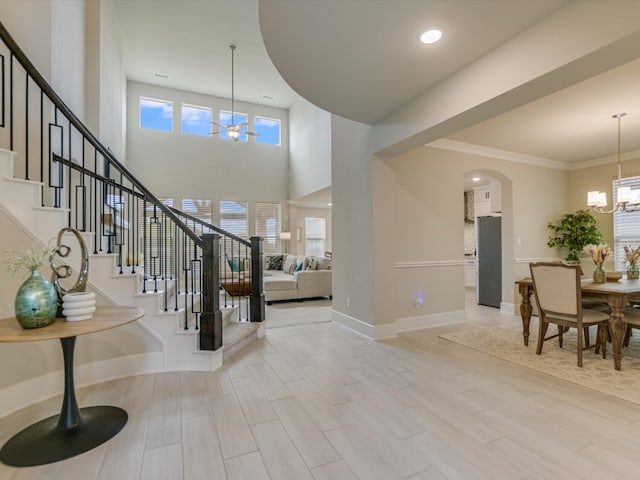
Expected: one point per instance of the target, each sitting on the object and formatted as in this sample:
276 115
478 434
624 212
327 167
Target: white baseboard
46 386
353 323
391 330
508 308
430 320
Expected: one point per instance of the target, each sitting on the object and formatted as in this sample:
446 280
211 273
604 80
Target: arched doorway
489 194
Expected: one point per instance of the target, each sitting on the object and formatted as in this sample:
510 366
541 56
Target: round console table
74 430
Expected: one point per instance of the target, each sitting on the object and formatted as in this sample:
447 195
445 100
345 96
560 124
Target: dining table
616 294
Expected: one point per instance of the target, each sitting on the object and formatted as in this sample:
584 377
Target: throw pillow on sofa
234 264
323 263
311 263
275 262
289 264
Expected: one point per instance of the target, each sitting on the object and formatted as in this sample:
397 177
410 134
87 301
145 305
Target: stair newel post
211 316
256 297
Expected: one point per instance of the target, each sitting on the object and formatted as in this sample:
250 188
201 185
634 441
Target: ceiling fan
233 130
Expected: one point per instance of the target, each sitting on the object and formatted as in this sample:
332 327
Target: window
268 226
196 120
200 209
268 130
156 114
234 218
238 118
626 226
315 236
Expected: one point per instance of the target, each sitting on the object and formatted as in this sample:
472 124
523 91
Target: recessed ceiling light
431 35
329 204
476 179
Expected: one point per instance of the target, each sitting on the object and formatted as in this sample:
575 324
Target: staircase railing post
256 298
211 316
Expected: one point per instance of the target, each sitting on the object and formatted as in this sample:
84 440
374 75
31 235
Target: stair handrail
256 297
31 70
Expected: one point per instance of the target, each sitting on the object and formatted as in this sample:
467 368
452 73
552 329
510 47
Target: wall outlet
348 302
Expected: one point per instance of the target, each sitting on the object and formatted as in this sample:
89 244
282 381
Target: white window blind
234 218
268 226
200 209
315 236
626 225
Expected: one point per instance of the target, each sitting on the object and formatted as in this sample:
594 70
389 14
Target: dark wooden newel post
256 298
211 316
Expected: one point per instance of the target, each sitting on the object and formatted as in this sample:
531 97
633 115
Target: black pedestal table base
46 442
63 436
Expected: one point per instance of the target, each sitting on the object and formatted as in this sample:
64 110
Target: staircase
175 328
55 173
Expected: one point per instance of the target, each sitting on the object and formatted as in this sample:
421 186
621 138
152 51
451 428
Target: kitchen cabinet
481 201
487 200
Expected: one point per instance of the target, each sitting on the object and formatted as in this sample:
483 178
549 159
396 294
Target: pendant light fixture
627 200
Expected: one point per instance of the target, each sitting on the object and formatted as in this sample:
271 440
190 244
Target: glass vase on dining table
632 272
599 274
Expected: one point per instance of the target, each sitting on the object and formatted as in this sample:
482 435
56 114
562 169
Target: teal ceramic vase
36 302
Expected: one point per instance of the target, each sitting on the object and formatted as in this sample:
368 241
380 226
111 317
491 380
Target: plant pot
36 302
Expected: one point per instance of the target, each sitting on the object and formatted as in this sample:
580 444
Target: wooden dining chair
557 292
632 319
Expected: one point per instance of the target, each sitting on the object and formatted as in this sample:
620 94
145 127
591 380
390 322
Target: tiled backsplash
469 238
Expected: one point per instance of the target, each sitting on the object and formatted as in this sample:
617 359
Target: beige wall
175 165
309 149
429 227
298 248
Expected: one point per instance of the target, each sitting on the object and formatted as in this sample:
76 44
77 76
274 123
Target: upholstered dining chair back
557 287
558 293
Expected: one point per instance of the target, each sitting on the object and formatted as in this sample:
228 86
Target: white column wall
309 149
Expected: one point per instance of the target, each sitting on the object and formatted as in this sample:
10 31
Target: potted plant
574 231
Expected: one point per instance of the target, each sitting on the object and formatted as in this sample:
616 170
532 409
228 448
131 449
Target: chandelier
627 200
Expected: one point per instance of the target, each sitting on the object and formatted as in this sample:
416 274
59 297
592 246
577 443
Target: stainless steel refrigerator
489 256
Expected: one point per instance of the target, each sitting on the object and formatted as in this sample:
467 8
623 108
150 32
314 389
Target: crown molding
483 151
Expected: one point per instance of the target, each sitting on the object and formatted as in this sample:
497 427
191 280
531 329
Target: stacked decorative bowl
78 306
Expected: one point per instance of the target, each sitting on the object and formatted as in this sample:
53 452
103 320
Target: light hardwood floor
319 402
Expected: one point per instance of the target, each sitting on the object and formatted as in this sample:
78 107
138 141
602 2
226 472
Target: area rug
290 314
506 342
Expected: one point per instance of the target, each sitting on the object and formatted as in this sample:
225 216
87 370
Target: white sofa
312 278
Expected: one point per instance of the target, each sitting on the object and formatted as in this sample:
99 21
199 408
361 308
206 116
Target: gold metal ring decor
64 271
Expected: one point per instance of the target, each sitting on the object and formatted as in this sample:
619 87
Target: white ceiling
360 59
188 40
